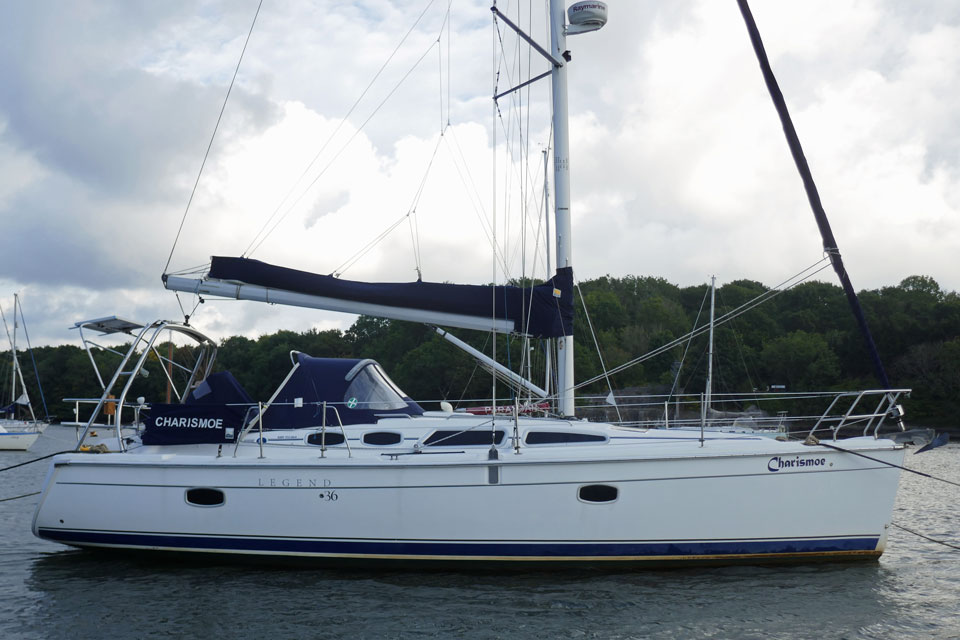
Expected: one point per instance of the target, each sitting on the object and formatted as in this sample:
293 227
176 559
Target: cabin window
561 437
371 389
382 438
330 439
598 493
453 438
205 497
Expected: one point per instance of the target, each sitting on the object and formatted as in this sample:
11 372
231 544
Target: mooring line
26 495
889 464
36 460
916 533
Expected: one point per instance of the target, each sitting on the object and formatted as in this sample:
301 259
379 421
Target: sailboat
17 431
340 466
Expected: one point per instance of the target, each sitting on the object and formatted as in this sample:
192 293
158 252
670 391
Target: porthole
597 493
205 497
330 439
382 438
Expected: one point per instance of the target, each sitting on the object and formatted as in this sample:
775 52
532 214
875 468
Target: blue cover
216 405
319 380
219 388
216 409
191 423
549 316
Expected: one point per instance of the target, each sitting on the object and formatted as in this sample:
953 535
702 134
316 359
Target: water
48 591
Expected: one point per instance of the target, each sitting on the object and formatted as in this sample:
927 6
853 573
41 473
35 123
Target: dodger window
371 389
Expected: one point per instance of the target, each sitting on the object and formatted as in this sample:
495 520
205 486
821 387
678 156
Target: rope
36 460
26 495
920 535
889 464
214 135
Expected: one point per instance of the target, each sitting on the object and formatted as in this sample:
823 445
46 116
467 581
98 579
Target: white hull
17 441
676 502
16 435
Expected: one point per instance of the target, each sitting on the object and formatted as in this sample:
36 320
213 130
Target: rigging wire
603 367
477 204
253 247
212 137
33 359
254 243
493 225
686 349
349 262
787 284
740 351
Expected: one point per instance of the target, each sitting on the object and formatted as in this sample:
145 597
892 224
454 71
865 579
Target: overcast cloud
679 166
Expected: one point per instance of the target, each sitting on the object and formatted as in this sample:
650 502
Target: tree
802 361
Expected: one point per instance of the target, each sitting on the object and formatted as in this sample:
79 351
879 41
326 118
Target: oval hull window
597 493
205 497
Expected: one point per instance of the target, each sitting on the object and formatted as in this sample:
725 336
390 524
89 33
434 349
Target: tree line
803 339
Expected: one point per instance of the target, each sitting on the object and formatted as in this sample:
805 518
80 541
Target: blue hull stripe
478 550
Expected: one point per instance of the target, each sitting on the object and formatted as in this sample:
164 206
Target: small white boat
17 435
16 432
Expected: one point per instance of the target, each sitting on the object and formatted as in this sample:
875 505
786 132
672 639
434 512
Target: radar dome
587 15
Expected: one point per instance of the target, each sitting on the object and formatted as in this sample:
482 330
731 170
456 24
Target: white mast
709 390
13 353
561 193
584 17
548 350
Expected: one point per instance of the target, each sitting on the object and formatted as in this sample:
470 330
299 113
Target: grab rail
887 406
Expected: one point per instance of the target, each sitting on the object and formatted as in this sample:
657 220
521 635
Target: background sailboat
19 426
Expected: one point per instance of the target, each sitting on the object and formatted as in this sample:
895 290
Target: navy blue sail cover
549 316
355 392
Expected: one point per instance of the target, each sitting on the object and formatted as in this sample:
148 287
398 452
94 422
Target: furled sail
544 311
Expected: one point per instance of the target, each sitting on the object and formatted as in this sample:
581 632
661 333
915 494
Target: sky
331 137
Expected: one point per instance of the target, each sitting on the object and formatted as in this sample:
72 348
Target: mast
561 193
548 350
709 389
13 354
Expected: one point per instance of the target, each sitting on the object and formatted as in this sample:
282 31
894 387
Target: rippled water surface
51 591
